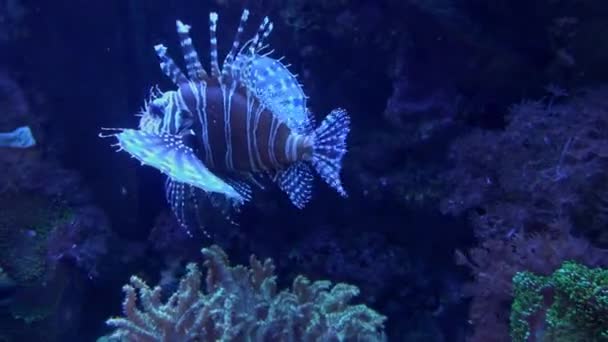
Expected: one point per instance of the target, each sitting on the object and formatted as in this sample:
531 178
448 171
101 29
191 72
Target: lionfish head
153 111
163 113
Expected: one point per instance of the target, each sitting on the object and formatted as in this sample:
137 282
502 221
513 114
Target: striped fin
193 63
296 182
258 40
240 186
171 156
215 67
183 202
329 148
279 91
168 66
196 209
235 45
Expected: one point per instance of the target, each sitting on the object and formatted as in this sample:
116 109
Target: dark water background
429 87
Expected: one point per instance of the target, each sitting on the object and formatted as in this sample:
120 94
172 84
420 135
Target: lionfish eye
156 109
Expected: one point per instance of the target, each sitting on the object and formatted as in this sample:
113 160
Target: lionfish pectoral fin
170 155
296 182
329 148
242 187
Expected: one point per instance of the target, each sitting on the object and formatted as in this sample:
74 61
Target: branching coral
243 304
569 305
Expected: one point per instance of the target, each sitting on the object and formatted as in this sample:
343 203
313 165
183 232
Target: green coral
528 301
569 305
25 224
240 303
26 221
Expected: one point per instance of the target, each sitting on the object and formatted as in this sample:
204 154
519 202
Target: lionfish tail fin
330 146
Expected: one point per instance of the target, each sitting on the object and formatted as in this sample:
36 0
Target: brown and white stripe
237 133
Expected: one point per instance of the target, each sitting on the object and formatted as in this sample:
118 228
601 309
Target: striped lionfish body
241 135
221 131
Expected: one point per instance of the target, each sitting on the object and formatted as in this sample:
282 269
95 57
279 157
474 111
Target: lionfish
221 132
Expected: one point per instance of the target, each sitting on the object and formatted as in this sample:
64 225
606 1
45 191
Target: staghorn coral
240 303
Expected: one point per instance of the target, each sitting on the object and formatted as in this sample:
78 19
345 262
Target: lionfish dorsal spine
215 67
228 61
168 66
259 38
193 63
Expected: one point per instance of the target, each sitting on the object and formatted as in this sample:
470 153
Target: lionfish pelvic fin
193 207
